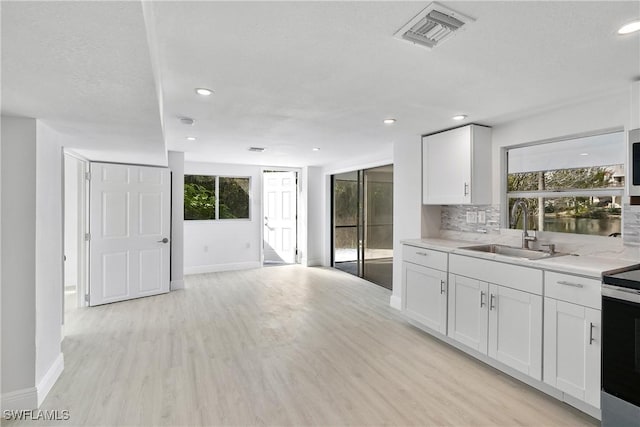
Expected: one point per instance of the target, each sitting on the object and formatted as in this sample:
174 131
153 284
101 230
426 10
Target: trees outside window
213 197
573 186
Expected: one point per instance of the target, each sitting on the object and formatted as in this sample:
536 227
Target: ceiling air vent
257 149
433 25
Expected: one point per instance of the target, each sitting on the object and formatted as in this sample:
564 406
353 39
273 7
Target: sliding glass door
363 223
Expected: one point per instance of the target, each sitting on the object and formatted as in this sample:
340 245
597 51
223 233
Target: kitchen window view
215 197
570 186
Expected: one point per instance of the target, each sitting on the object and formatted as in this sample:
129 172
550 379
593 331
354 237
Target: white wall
32 258
602 113
49 258
407 205
316 229
18 261
225 244
176 164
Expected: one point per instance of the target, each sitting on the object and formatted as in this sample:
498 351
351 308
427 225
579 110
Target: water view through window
570 186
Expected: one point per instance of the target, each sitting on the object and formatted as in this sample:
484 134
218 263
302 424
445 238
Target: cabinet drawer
512 276
573 289
425 257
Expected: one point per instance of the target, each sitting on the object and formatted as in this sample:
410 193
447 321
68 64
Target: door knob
165 240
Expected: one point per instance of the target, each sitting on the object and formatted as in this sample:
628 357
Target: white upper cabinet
456 166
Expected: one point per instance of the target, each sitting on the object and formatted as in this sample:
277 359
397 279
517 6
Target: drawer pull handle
482 301
441 287
422 253
575 285
492 302
591 339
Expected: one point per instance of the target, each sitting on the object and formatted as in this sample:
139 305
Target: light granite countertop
589 266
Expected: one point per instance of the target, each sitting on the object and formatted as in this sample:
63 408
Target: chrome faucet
525 220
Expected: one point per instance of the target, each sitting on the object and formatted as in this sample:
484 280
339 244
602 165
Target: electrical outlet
472 217
206 248
482 217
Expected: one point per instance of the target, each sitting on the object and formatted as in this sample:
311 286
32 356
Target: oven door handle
625 294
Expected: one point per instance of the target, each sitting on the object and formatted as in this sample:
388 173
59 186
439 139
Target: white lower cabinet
496 309
515 329
468 312
504 323
426 296
572 349
424 286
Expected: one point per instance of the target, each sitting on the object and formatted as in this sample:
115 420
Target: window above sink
571 185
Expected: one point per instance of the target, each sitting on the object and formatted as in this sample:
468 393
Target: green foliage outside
234 198
554 207
200 197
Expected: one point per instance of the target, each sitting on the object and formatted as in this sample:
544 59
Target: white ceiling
290 76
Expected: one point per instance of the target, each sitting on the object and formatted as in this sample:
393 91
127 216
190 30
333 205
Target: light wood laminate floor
279 346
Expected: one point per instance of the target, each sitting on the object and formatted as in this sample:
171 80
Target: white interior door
280 206
129 226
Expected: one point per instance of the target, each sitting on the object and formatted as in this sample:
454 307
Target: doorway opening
75 226
280 211
362 223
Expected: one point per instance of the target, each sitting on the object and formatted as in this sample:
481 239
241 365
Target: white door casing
280 222
129 226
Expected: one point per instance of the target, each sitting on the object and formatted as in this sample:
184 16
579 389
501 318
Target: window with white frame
209 197
571 185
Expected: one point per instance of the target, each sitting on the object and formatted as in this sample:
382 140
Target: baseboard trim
24 399
396 302
200 269
177 284
313 262
50 378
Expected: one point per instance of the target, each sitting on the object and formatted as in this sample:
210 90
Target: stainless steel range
620 398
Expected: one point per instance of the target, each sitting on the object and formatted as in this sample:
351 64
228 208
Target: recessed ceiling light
389 121
187 121
629 28
203 91
459 117
584 154
315 149
191 138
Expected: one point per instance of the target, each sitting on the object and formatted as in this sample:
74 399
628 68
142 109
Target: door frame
82 215
299 229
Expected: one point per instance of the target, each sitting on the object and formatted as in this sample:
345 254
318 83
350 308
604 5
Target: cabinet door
425 296
572 349
446 167
515 329
468 312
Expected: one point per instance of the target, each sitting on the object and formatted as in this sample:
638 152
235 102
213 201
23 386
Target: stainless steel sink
510 251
